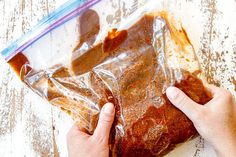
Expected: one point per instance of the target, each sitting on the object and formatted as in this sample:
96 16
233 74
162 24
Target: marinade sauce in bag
131 67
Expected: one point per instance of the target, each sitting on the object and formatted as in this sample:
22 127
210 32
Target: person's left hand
81 144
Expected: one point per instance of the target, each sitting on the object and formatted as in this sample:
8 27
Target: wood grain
29 126
23 131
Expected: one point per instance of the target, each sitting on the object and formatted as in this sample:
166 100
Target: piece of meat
159 129
130 70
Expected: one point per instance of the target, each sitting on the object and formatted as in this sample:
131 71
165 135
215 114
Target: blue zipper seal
66 12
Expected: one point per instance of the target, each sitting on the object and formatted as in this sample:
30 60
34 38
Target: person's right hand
214 121
81 144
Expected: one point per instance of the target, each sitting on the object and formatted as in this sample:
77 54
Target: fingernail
171 92
108 108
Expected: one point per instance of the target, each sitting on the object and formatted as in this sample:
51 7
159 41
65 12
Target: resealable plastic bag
80 57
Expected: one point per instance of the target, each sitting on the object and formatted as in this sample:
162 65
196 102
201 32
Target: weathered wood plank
24 130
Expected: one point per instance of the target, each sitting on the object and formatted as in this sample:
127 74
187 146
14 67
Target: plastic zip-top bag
79 58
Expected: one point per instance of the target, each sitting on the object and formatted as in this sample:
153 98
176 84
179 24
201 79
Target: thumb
179 99
105 121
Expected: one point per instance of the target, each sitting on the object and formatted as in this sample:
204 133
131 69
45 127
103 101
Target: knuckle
181 99
98 140
106 118
227 95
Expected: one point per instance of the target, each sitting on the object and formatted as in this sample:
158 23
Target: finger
105 121
190 108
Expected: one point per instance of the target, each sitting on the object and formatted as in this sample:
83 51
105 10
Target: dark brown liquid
89 27
142 137
144 126
115 43
175 127
20 65
113 40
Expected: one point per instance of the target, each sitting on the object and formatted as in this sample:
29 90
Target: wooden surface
29 126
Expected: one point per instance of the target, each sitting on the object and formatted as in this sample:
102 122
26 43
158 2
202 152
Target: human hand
81 144
214 121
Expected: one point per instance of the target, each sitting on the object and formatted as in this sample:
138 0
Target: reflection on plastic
130 68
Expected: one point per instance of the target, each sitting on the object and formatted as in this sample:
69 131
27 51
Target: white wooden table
27 123
29 126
